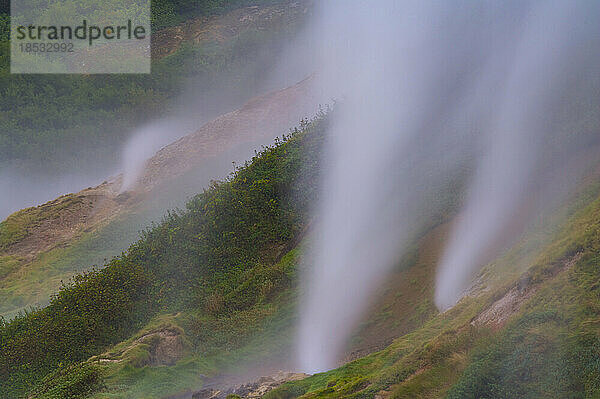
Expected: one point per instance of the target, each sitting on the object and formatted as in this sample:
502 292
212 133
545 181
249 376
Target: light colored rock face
160 347
60 221
251 390
498 313
260 120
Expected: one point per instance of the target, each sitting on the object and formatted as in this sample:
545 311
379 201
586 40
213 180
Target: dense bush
73 382
222 245
4 27
170 12
97 309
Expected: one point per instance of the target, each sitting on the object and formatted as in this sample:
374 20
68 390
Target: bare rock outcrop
165 346
250 390
498 313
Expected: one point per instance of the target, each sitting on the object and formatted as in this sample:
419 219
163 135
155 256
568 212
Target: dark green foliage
163 14
4 27
215 255
97 309
287 391
171 12
72 382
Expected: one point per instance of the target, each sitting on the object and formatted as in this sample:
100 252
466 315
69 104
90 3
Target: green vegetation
213 256
71 382
87 119
213 343
171 12
551 349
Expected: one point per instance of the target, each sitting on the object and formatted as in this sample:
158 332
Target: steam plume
425 89
143 144
529 115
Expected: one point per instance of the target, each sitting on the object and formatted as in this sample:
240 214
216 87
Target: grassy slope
31 283
232 342
216 343
212 333
213 343
548 348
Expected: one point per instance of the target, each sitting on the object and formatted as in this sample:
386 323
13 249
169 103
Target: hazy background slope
60 134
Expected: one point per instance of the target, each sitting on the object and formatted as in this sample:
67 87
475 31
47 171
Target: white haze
425 90
21 190
545 58
145 142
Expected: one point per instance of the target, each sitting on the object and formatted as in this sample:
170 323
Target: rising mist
426 90
532 137
144 143
194 93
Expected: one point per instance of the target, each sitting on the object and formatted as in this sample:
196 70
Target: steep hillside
205 296
30 238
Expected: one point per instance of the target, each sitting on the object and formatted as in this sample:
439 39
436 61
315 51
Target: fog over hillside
424 87
200 79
